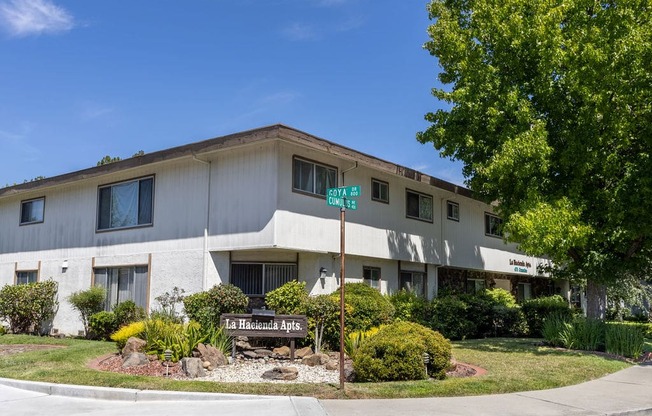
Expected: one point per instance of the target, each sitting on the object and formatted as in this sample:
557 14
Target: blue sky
82 79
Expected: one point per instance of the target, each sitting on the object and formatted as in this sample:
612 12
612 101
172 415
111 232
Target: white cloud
91 111
34 17
300 31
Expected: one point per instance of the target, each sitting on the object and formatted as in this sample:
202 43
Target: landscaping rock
250 354
283 351
281 373
315 359
243 345
305 351
212 355
263 353
349 373
332 365
135 359
133 345
193 367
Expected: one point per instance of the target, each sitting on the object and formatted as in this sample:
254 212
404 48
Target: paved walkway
627 392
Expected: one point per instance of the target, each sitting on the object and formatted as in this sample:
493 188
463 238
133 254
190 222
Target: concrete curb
134 395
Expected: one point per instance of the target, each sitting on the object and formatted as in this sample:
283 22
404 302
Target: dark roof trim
233 140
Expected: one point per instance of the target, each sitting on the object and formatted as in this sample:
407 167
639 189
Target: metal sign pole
342 277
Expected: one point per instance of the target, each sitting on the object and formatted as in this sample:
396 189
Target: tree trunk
596 300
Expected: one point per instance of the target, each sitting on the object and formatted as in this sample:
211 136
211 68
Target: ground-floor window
256 279
474 286
371 276
24 277
123 283
523 292
413 282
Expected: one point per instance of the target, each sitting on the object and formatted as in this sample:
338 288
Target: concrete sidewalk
627 392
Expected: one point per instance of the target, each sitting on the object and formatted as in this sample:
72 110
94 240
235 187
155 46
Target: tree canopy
548 104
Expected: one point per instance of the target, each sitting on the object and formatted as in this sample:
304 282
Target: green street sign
344 191
334 201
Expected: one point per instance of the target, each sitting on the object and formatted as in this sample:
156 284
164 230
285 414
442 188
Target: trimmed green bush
365 307
103 324
409 306
450 316
206 307
536 310
29 308
289 299
396 352
127 312
88 302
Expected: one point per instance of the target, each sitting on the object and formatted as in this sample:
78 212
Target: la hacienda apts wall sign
520 266
274 326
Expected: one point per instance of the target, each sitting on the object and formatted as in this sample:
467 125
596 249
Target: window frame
30 201
475 282
263 264
132 270
34 272
487 229
314 164
453 205
423 275
375 181
138 180
523 291
371 278
420 195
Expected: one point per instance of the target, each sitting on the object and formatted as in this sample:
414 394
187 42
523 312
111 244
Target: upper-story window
493 225
125 204
453 210
379 191
313 177
25 277
418 206
31 211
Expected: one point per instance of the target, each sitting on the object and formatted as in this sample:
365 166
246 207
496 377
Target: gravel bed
251 372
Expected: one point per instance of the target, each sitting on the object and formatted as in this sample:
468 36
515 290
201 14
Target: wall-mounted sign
520 266
277 326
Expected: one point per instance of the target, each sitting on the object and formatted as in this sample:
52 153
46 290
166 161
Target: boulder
211 354
243 345
315 359
303 352
193 367
281 373
349 373
250 354
135 359
332 365
263 353
133 345
283 351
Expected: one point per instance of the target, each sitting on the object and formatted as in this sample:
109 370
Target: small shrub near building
289 299
536 310
365 307
396 352
30 308
409 306
206 307
88 302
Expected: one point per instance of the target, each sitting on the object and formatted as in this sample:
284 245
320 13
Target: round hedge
206 307
366 307
396 351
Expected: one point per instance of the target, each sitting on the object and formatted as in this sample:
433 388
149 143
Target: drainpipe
208 222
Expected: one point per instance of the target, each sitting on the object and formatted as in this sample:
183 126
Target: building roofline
276 131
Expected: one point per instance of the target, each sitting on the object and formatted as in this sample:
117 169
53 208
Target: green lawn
512 365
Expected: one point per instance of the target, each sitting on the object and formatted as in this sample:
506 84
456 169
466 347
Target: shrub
354 340
625 340
87 302
127 312
218 337
289 299
366 307
536 310
583 334
165 335
121 336
396 352
450 317
409 306
553 328
206 307
323 313
502 297
103 324
29 308
169 302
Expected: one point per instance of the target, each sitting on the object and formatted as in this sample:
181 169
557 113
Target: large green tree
548 104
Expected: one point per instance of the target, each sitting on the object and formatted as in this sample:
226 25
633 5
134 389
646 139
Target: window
418 206
123 283
26 277
474 286
524 292
493 225
126 204
379 191
371 276
256 279
453 211
31 212
313 178
413 282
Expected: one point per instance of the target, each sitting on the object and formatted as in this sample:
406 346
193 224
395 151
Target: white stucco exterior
230 201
